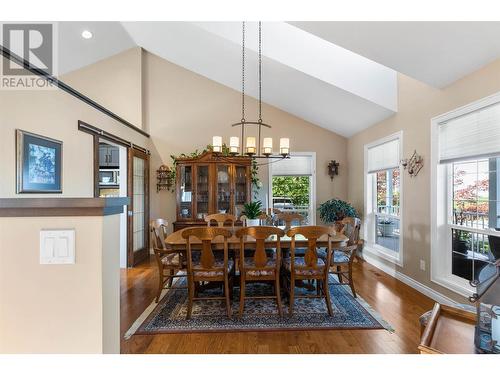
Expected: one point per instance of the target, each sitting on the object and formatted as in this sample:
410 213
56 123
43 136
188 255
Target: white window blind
383 156
297 165
475 134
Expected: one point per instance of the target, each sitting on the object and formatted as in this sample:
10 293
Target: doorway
113 182
123 171
292 185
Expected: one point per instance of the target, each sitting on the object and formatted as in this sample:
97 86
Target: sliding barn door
138 211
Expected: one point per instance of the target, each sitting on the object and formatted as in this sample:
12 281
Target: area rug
169 315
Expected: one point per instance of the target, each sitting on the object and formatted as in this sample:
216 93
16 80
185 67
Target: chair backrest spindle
206 235
260 234
312 234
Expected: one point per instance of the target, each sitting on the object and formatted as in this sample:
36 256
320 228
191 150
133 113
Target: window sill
450 283
383 253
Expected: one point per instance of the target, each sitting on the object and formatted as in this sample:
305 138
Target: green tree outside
294 187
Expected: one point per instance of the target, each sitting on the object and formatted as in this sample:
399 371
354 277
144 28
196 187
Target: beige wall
418 103
115 83
183 110
110 287
71 308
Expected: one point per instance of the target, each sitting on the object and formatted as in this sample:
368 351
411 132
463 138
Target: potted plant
461 240
252 211
386 227
335 210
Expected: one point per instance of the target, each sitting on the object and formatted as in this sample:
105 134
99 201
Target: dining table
176 242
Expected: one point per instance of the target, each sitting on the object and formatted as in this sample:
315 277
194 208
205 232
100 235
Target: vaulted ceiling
339 75
437 53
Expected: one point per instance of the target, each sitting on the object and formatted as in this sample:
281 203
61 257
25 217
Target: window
474 210
383 198
292 185
465 217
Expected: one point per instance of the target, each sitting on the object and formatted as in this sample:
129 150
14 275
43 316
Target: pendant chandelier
253 147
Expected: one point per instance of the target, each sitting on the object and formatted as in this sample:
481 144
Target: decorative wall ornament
166 178
414 164
333 169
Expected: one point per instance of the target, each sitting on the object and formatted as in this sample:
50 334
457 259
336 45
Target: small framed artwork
39 163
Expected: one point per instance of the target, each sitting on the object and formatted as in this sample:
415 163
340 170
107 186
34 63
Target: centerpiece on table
252 211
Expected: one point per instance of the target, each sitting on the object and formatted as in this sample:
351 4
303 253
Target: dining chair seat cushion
250 265
218 269
338 256
300 262
171 260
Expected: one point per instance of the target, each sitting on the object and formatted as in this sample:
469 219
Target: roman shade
297 165
475 134
383 156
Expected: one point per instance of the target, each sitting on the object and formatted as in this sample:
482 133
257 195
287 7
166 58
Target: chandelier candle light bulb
234 145
217 144
251 148
267 146
284 146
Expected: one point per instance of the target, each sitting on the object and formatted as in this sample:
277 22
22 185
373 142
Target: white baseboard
424 289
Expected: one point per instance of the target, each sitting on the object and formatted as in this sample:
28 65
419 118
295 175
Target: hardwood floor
398 304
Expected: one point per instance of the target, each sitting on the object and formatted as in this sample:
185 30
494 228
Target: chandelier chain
243 74
260 71
253 145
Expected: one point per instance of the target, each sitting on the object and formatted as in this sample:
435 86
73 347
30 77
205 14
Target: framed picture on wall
39 163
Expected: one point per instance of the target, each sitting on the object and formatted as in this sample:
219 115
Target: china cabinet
211 184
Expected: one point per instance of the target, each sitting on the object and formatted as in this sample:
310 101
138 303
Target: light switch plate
57 246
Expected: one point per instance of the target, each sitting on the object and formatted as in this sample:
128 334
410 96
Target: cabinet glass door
186 192
223 198
202 191
240 191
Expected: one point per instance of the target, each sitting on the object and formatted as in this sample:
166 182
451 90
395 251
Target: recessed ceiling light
86 34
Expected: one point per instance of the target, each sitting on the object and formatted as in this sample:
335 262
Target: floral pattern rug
169 315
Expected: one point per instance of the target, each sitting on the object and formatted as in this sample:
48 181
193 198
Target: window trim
440 195
311 154
374 248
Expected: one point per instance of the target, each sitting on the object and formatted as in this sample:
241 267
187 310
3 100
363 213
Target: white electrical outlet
422 264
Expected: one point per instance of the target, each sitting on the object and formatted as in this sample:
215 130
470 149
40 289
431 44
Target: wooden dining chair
221 219
170 262
288 218
343 257
309 267
206 267
260 267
